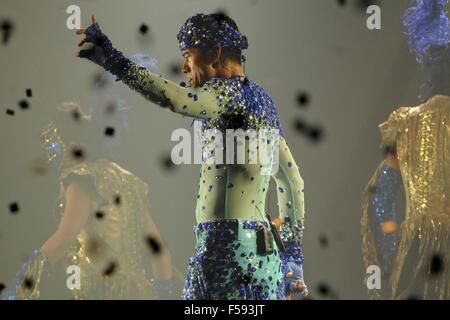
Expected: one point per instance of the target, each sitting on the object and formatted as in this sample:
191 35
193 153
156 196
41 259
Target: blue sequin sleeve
383 209
198 102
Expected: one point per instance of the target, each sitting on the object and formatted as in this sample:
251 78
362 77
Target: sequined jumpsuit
231 198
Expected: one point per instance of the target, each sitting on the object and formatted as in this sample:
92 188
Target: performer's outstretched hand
101 51
97 53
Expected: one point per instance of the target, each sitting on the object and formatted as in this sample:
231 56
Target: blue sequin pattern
227 267
384 208
244 104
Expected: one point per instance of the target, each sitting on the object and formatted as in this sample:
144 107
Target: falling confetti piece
109 131
168 163
77 153
110 269
28 283
24 105
323 241
153 244
300 125
436 265
315 134
175 69
99 215
117 200
29 93
303 99
2 287
14 207
143 29
7 28
10 112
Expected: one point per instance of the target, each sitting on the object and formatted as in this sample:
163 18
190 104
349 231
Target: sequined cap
206 30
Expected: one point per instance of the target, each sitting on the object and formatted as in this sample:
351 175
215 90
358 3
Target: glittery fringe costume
421 138
26 284
114 242
225 191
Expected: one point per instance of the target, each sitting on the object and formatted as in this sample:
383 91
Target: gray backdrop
355 77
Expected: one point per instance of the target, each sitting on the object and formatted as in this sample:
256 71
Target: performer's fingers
80 31
94 21
82 42
84 53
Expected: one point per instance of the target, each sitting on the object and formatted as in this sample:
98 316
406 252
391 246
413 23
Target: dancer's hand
294 281
99 41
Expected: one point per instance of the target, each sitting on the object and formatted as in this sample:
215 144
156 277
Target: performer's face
196 68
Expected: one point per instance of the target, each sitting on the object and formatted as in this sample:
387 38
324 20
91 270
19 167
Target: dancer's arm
383 213
194 102
291 207
76 212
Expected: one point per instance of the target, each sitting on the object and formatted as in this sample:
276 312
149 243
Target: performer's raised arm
198 102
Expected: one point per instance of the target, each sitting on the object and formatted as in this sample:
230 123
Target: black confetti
76 115
436 265
29 93
153 244
117 200
167 163
7 28
2 287
14 207
323 241
175 69
183 84
300 125
412 297
23 104
323 289
315 134
362 5
77 153
99 215
221 15
10 112
143 29
109 131
28 283
342 2
110 269
303 99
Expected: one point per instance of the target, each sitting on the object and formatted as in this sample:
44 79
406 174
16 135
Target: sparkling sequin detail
384 207
205 31
226 265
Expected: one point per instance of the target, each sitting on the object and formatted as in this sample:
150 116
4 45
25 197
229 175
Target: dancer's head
428 31
211 46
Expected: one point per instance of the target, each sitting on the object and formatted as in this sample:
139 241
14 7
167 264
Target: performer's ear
215 55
